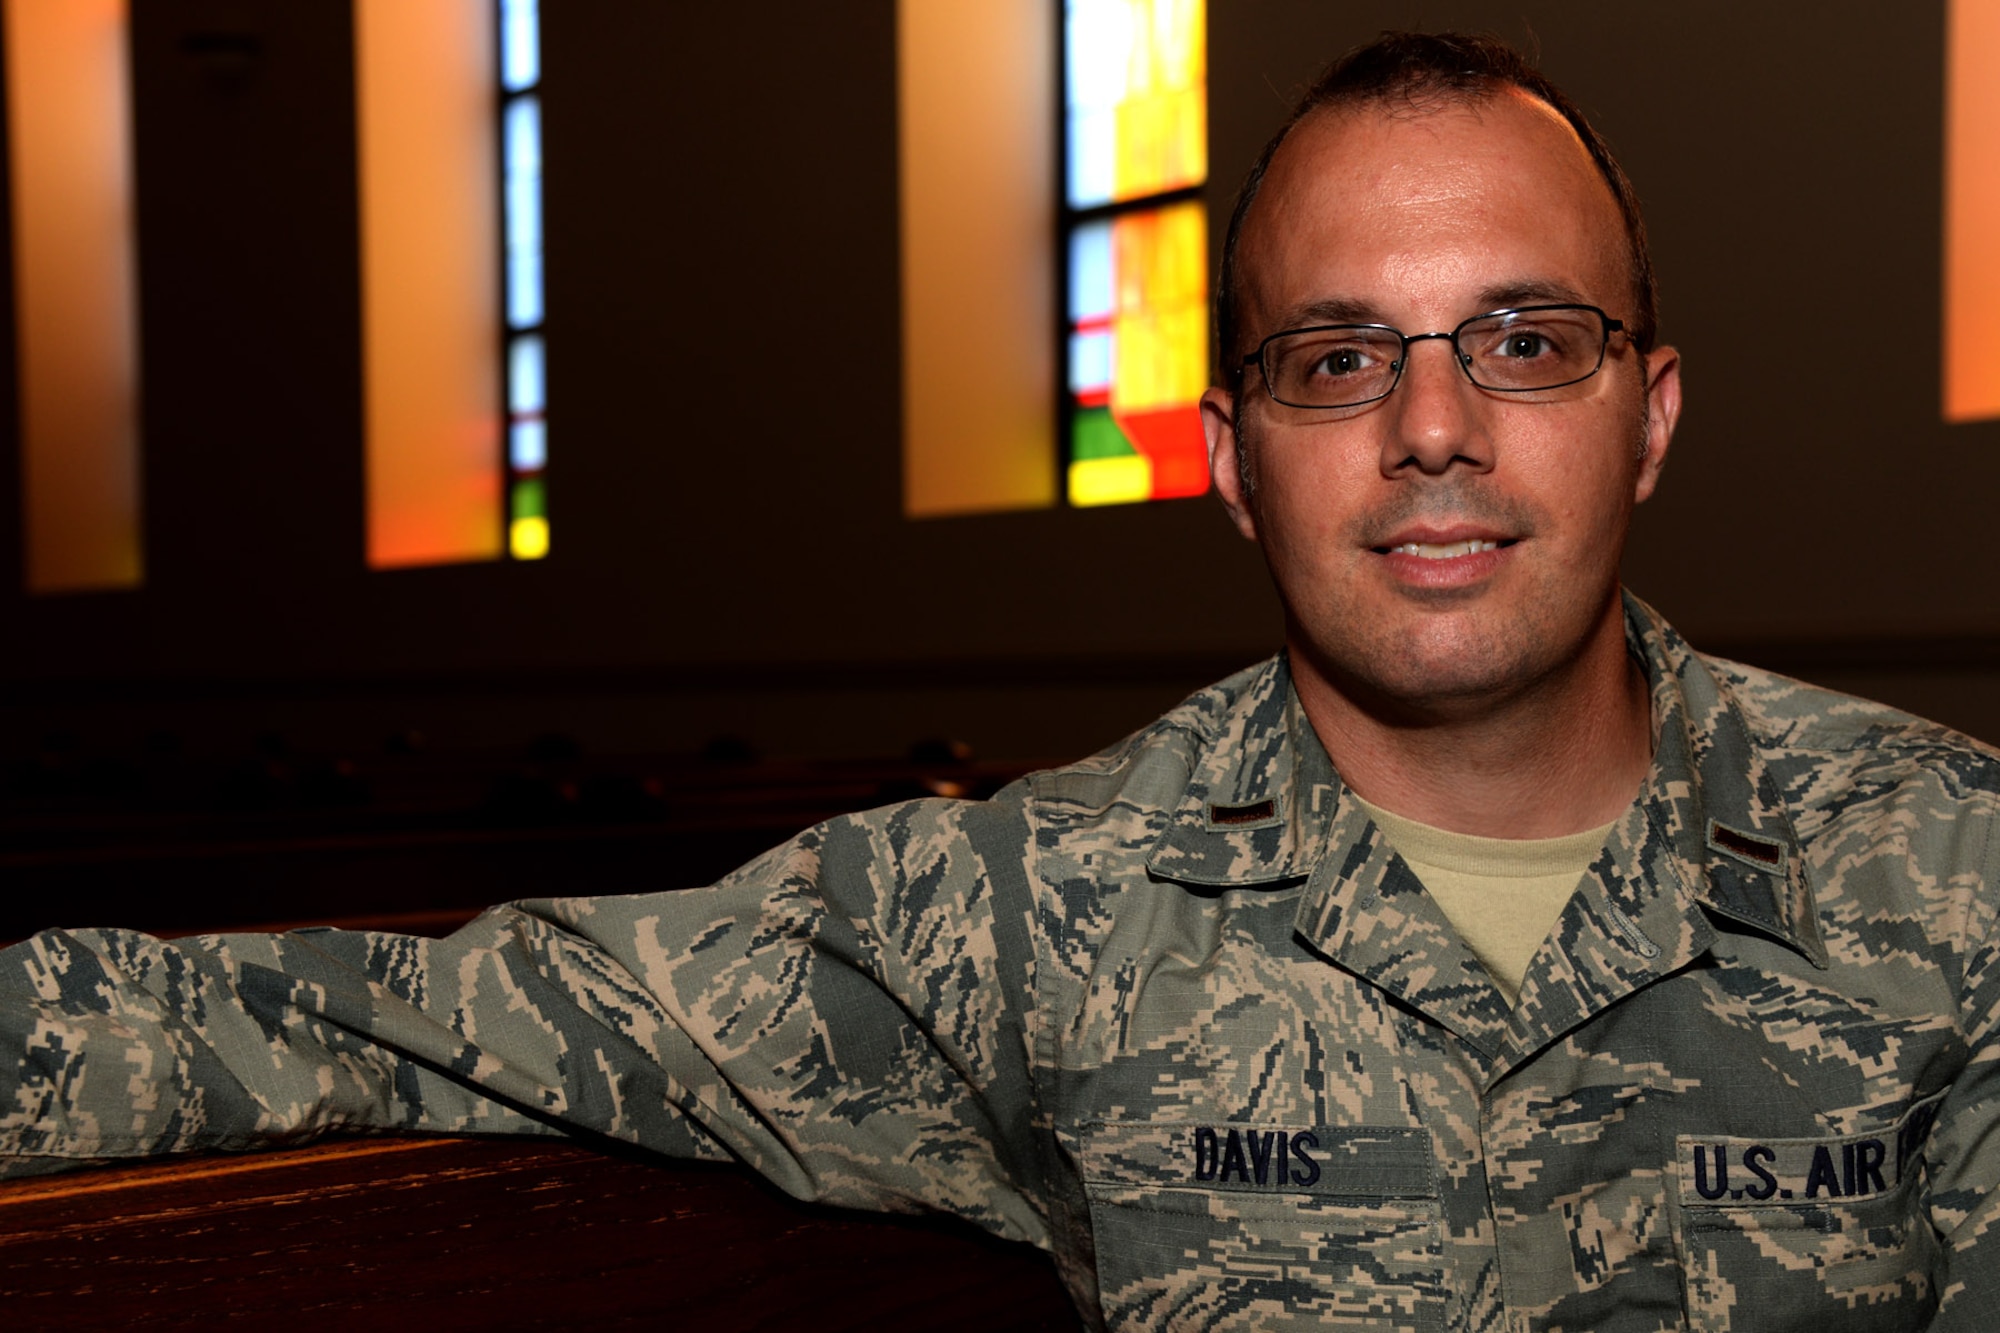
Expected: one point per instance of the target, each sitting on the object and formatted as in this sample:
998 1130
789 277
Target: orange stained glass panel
1972 212
76 297
430 264
1162 315
975 124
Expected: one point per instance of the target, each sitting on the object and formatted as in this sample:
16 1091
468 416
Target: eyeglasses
1530 349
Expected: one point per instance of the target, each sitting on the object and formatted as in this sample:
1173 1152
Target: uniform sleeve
849 1015
1964 1148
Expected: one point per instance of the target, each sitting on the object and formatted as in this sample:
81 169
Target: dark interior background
730 561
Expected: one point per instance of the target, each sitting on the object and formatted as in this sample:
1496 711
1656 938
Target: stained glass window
527 397
1135 144
1972 213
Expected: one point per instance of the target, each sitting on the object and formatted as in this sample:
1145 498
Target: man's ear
1218 423
1663 413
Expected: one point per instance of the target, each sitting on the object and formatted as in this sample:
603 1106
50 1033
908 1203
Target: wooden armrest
487 1233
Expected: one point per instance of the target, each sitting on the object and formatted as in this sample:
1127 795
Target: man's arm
848 1014
1964 1149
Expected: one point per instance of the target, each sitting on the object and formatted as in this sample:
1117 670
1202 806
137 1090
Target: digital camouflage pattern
1181 1016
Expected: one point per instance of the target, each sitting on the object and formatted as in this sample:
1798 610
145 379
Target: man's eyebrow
1501 296
1331 310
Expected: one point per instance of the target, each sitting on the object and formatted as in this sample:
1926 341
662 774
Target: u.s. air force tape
1348 1161
1726 1172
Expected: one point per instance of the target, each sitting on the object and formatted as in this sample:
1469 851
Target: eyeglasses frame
1463 361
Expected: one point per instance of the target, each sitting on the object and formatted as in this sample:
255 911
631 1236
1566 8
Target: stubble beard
1433 653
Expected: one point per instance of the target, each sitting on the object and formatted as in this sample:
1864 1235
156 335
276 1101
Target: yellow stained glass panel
1110 481
1163 118
528 538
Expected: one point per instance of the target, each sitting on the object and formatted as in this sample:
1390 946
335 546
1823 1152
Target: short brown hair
1444 67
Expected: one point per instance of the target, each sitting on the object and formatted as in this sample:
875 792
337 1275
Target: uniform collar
1262 801
1712 799
1260 796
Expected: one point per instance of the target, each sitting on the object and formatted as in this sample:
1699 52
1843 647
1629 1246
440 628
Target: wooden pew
433 1233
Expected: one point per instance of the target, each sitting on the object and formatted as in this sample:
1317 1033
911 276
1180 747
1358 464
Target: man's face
1420 220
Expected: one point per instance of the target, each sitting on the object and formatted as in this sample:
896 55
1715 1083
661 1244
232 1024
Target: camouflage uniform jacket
1178 1014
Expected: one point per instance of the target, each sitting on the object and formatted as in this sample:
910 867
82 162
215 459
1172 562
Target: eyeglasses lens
1522 351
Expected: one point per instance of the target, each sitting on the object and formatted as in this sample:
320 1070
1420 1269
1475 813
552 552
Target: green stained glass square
526 499
1093 434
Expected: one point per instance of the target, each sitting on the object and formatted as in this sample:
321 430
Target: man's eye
1343 361
1524 345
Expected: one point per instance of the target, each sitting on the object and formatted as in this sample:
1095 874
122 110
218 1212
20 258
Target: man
1488 960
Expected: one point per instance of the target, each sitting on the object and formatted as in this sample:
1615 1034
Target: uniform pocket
1807 1234
1861 1268
1264 1227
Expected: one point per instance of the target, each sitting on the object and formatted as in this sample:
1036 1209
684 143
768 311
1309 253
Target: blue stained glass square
1093 275
524 212
524 137
527 388
1091 361
520 44
524 289
1097 40
528 446
1093 158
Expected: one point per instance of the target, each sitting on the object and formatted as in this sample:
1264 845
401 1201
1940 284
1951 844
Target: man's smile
1443 550
1442 557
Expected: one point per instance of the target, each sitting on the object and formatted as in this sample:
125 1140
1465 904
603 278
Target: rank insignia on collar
1755 849
1254 814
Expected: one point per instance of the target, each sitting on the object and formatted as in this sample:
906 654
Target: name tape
1325 1160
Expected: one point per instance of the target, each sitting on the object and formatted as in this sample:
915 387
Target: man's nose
1437 423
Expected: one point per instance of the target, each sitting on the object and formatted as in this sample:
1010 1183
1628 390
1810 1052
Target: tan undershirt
1503 895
